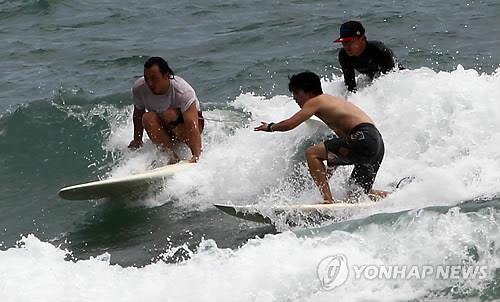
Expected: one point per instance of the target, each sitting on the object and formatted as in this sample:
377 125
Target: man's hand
263 127
135 144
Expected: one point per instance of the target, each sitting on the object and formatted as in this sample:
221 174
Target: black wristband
269 129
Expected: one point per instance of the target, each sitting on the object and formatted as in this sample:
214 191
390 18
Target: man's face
355 46
157 82
300 97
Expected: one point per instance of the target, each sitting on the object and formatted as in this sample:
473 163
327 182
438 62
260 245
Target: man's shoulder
375 43
324 98
377 46
139 84
181 86
329 97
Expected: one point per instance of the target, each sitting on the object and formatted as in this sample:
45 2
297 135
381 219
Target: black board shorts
180 120
363 148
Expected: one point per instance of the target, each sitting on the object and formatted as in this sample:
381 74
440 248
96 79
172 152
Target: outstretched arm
309 109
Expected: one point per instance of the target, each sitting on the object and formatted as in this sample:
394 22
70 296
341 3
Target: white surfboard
122 185
315 122
291 214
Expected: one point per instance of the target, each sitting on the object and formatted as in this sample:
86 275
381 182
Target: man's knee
150 120
170 115
316 152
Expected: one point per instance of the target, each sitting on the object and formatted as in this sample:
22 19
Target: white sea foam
274 268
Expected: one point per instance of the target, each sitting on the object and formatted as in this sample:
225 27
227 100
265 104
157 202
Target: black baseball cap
349 30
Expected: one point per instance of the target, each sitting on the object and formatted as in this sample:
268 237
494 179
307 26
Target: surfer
358 142
166 107
367 57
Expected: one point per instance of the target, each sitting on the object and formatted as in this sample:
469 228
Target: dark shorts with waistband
180 120
363 148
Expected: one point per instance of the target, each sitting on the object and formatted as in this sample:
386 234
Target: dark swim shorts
363 148
180 120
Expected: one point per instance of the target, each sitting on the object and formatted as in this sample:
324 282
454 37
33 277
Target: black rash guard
376 59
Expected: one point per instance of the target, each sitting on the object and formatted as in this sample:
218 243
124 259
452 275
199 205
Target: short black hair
161 63
307 81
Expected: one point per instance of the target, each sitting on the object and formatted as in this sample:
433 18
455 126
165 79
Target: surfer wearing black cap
367 57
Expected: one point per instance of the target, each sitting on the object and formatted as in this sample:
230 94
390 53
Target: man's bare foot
328 201
377 195
173 159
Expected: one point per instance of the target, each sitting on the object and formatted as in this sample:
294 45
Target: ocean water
65 117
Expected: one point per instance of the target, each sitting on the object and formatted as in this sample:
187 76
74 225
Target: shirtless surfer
358 142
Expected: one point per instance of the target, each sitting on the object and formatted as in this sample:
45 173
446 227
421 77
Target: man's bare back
340 115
